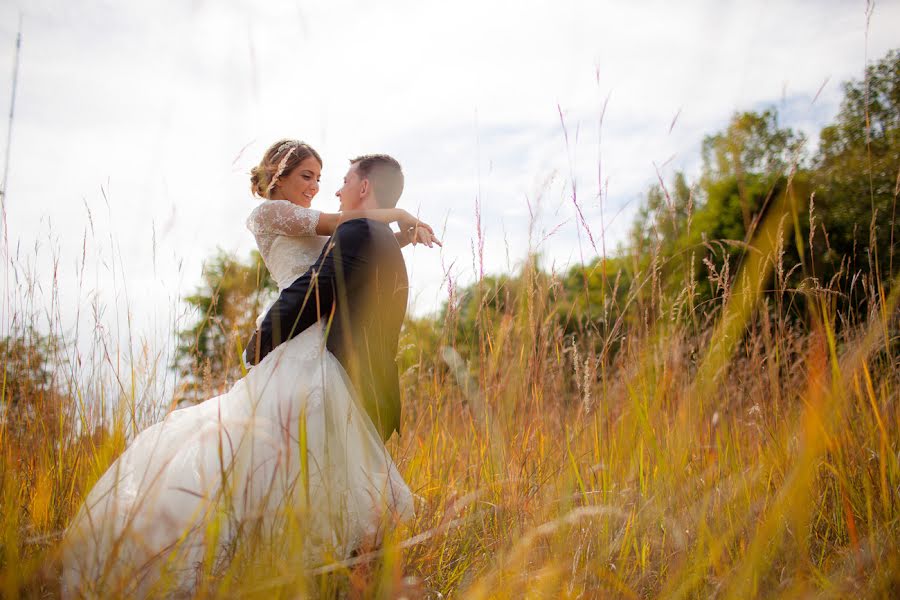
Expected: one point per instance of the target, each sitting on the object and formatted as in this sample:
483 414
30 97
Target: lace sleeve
280 217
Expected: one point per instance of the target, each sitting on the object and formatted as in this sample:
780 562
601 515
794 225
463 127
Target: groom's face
352 191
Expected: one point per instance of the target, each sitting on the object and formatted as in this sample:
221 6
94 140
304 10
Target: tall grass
731 449
754 457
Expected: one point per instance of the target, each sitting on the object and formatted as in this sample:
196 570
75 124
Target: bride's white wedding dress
188 483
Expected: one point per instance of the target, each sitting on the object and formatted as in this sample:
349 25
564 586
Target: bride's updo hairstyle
280 159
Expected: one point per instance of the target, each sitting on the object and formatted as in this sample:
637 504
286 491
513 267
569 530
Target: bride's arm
280 217
412 230
328 222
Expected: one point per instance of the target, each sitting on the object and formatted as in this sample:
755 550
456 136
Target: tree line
837 232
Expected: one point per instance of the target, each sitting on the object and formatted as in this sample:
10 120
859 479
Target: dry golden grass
650 457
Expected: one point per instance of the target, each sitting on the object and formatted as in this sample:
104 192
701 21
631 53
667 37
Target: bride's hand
427 237
417 234
415 231
407 221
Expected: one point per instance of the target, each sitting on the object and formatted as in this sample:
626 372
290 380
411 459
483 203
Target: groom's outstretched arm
316 293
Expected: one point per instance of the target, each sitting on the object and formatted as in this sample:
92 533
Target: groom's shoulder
354 230
363 229
365 236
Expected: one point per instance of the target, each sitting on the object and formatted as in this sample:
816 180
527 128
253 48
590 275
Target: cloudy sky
137 123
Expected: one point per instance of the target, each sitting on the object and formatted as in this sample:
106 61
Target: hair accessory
282 164
285 145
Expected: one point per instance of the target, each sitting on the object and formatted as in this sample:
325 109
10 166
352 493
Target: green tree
849 189
225 307
744 166
593 296
857 174
30 392
663 218
661 236
698 232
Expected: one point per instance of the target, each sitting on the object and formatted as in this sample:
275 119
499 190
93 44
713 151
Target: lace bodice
286 236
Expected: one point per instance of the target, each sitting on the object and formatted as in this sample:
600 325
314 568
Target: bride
289 443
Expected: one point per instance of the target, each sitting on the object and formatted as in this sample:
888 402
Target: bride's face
301 185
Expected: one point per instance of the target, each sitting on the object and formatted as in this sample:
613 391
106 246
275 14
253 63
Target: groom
358 285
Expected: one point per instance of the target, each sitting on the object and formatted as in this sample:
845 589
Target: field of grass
740 447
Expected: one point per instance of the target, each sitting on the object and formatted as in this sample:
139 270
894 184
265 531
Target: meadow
713 419
747 455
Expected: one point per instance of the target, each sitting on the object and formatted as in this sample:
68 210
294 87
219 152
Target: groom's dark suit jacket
358 285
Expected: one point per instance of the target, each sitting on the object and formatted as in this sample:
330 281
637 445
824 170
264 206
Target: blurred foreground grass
755 455
714 413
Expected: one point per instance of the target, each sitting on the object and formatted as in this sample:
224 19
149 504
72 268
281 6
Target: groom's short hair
385 175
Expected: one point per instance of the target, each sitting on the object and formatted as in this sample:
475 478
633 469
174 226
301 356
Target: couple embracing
300 438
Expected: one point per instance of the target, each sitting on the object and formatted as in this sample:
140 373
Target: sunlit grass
648 456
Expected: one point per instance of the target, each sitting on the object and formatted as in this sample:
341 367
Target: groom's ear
365 188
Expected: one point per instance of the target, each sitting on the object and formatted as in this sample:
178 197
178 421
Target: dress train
186 485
